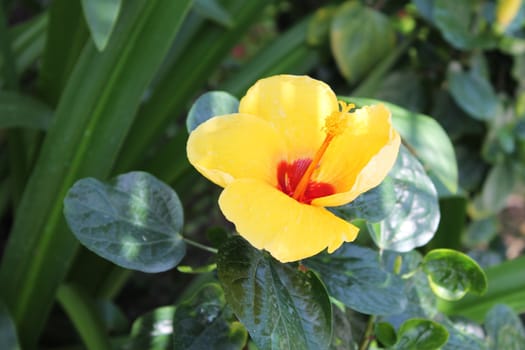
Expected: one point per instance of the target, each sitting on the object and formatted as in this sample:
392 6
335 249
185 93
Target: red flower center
289 176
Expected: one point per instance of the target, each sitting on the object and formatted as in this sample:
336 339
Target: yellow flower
289 153
506 11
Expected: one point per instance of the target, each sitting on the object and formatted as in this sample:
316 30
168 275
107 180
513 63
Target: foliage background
101 88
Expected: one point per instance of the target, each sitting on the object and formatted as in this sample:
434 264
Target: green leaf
95 112
135 221
213 10
385 333
360 37
355 276
426 138
504 329
497 187
280 306
153 331
481 232
209 105
17 110
343 334
461 24
505 285
319 25
402 87
473 93
373 205
416 334
452 274
415 217
101 16
8 336
206 322
425 8
288 53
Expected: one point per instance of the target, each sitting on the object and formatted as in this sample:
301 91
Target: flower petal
361 157
235 146
271 220
296 105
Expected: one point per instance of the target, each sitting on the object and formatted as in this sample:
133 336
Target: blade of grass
66 35
81 310
95 111
288 53
191 71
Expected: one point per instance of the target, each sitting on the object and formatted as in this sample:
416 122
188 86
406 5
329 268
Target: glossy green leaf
8 336
19 111
504 329
209 105
206 322
135 221
385 333
343 337
213 10
461 24
373 205
101 16
473 93
453 274
505 285
355 276
153 331
415 217
280 306
426 138
463 336
417 334
360 37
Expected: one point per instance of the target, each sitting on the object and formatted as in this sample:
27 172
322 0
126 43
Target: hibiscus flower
291 151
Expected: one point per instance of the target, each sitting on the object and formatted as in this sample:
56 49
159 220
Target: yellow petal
235 146
361 157
271 220
296 105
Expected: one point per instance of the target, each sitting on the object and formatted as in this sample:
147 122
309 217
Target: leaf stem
201 246
368 336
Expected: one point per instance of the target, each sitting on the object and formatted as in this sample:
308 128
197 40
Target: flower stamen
335 124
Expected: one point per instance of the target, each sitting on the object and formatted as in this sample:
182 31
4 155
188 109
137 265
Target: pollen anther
335 124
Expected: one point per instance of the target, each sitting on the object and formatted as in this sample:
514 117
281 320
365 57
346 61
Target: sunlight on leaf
101 16
280 306
415 216
209 105
452 274
135 221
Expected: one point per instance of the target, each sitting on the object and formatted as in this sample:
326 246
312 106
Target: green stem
367 338
201 246
82 312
